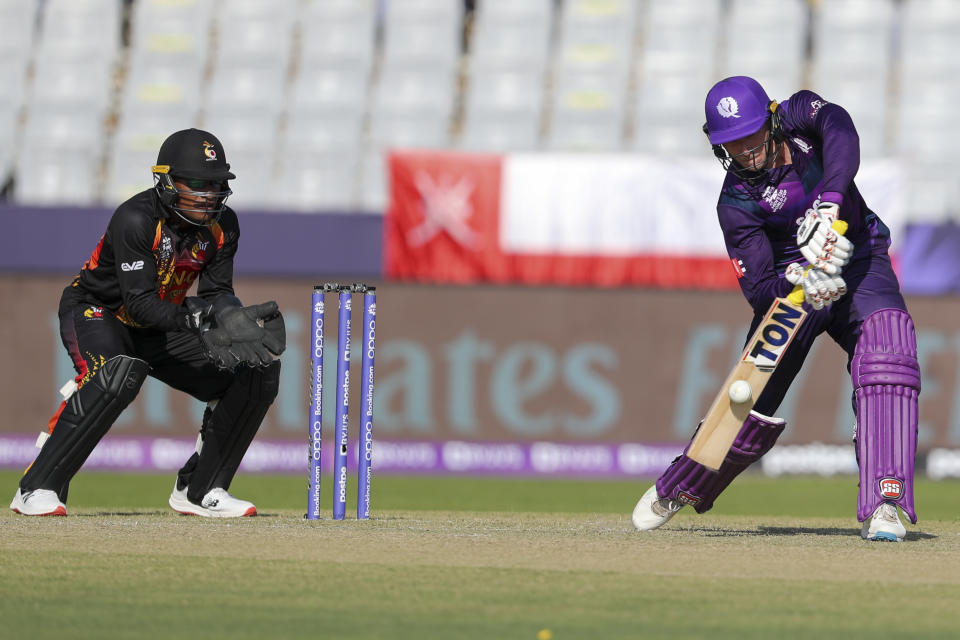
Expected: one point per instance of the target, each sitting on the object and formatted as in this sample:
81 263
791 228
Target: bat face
769 342
763 353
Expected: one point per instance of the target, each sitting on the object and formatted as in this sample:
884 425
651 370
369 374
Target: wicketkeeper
126 315
790 170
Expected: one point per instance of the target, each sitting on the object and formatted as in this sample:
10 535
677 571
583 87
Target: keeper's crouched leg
228 429
689 482
85 418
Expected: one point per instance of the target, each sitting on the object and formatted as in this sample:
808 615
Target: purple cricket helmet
735 107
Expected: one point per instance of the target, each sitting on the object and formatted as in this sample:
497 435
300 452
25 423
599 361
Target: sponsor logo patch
687 498
738 267
815 107
132 266
776 198
199 251
891 488
93 313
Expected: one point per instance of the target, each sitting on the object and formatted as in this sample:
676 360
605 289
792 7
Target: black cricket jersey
143 266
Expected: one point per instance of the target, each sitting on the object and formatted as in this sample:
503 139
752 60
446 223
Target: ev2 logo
131 266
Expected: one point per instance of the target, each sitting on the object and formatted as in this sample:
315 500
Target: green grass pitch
477 558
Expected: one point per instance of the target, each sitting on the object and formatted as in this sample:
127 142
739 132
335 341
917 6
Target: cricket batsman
790 174
127 315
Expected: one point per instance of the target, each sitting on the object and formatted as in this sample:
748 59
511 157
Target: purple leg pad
886 386
692 483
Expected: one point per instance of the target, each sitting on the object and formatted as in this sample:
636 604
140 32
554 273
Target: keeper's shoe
216 504
39 502
652 511
884 525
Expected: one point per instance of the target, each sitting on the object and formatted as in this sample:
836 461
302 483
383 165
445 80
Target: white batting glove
819 288
820 244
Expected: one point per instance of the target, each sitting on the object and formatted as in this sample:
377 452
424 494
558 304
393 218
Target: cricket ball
740 391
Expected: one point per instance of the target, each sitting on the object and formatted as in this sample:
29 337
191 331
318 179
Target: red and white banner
564 219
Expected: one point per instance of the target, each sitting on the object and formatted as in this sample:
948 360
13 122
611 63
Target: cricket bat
760 358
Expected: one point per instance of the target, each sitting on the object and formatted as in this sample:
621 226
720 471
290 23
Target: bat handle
796 296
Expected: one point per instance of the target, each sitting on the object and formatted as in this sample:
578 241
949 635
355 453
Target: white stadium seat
48 176
171 91
80 29
316 130
498 131
340 32
330 86
314 181
588 113
245 89
510 46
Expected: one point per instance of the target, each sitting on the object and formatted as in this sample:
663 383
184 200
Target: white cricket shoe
653 511
39 502
884 524
216 504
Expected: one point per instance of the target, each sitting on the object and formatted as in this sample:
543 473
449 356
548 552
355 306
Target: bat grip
796 296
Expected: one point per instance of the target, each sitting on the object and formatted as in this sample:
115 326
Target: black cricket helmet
195 158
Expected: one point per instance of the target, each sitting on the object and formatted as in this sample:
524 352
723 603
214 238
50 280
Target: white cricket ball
740 391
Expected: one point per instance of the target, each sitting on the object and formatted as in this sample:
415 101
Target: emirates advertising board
492 379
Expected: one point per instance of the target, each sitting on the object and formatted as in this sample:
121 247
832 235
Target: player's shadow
100 514
830 531
798 531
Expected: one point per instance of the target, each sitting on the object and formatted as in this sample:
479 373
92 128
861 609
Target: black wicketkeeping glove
275 334
245 335
216 344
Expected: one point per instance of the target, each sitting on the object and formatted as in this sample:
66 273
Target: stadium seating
674 69
925 132
61 147
766 39
309 95
509 56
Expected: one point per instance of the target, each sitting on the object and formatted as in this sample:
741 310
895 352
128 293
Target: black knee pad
86 416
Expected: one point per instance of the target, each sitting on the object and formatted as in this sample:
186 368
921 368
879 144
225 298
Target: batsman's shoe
39 502
652 511
884 524
216 504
